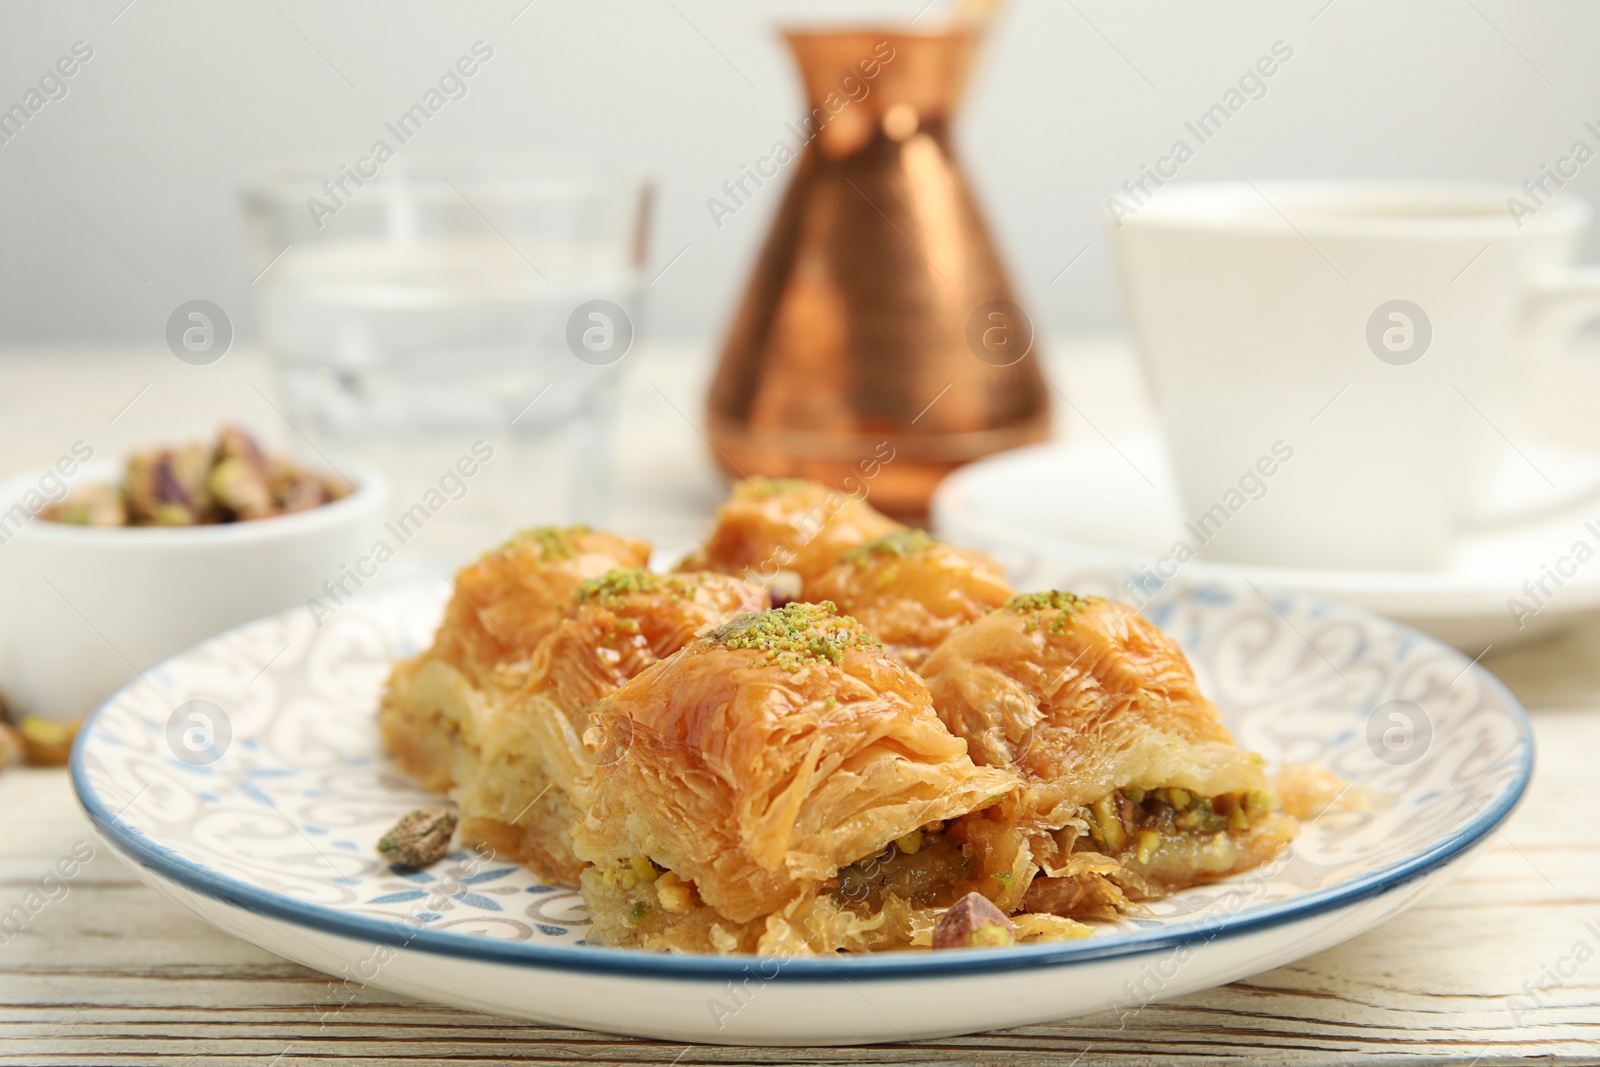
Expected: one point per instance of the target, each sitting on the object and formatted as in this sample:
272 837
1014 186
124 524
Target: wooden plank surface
112 973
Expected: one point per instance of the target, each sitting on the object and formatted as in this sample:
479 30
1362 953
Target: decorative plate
245 779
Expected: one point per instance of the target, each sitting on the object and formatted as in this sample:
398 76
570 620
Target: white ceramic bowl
83 610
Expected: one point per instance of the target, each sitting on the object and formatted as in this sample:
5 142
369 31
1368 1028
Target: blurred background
567 280
122 195
439 313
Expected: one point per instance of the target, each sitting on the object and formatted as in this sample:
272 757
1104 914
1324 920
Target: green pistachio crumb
1037 605
618 584
899 544
768 487
615 587
554 542
1051 600
795 634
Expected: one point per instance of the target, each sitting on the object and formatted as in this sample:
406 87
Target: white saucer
1079 515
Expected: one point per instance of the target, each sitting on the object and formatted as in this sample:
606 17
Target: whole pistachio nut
420 837
191 467
335 487
305 493
973 922
141 484
46 743
234 442
10 745
191 470
240 487
156 494
93 505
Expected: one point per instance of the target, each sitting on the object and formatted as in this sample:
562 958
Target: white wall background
119 200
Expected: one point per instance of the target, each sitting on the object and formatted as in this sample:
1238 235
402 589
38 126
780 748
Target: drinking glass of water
446 314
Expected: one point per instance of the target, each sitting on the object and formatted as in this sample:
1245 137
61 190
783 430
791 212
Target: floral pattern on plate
255 759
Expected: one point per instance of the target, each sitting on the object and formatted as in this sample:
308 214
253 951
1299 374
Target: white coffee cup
1339 367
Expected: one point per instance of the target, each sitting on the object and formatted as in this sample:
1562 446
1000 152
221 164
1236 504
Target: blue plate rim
187 874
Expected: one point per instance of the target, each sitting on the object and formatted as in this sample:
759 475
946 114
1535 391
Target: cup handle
1556 307
1559 305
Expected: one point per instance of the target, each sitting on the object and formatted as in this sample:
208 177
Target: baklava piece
743 780
531 779
504 605
786 532
1132 786
911 590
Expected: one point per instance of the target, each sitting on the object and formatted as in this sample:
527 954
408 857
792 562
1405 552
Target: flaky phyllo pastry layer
1131 786
832 774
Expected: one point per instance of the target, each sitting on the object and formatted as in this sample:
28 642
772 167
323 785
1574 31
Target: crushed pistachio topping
555 542
1052 600
899 544
1038 606
613 588
618 584
769 487
795 634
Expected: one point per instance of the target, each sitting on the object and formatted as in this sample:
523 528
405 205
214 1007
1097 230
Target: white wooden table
1500 966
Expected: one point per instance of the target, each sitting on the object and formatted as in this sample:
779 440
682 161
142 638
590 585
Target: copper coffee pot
878 344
